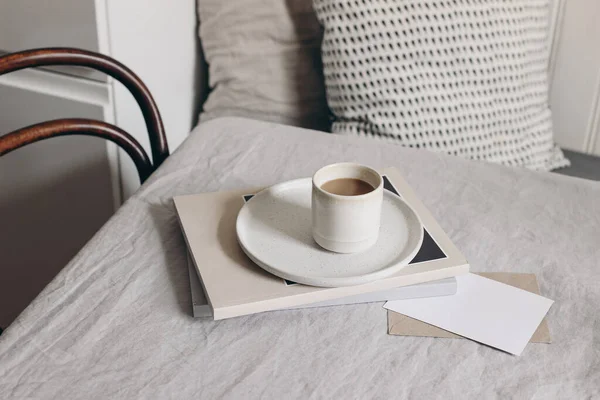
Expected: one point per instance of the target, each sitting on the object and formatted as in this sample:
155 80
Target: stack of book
225 283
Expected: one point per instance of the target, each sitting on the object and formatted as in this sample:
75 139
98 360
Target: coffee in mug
346 207
347 187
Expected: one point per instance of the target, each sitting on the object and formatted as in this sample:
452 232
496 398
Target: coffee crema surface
347 187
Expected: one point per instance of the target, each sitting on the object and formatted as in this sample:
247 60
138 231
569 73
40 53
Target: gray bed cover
116 322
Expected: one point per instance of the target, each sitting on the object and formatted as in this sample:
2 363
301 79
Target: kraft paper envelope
402 325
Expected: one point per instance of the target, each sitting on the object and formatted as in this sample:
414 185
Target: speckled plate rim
381 273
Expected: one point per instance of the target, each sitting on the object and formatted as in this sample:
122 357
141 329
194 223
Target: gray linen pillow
264 61
459 76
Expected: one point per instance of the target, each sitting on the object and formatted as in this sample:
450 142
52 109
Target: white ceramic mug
346 224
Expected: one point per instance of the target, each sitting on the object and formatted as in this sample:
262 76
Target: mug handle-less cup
346 224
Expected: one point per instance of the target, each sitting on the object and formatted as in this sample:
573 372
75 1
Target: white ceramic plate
274 230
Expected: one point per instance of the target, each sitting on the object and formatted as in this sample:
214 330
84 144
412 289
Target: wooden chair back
62 127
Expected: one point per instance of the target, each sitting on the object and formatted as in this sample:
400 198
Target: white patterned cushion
466 77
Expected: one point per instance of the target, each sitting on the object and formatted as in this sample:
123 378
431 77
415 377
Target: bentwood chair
62 127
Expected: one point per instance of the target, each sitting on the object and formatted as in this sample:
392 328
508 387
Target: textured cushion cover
464 77
264 61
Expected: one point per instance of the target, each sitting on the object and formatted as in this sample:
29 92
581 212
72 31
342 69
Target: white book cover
443 287
235 286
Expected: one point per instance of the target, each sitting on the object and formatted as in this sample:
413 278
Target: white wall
575 76
157 39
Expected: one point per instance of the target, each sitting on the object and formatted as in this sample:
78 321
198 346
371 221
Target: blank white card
483 310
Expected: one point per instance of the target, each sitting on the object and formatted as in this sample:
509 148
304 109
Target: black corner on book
248 197
429 249
387 185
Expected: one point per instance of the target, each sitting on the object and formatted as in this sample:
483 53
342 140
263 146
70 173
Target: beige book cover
235 286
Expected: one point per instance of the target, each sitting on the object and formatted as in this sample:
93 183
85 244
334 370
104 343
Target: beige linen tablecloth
116 322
